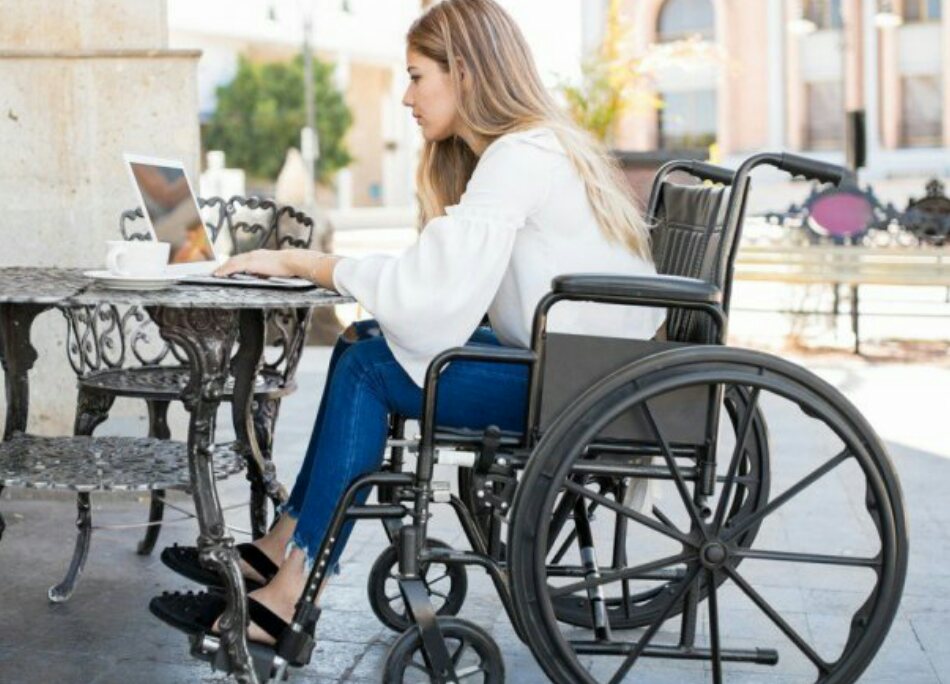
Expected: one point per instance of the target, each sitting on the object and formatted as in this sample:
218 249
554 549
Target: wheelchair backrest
573 363
687 240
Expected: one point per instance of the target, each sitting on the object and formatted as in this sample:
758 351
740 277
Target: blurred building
363 38
789 71
366 41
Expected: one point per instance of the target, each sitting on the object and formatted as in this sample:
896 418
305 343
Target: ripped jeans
365 384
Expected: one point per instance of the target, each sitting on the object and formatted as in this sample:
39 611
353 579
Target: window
684 18
921 10
824 14
824 120
921 111
688 120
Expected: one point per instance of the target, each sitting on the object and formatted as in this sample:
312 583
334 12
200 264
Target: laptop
171 212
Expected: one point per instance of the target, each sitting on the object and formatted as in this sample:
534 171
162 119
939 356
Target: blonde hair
504 94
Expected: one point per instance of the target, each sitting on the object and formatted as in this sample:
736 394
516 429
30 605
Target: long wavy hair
503 94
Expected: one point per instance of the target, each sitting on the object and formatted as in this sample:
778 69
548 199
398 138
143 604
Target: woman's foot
272 545
280 596
275 603
269 549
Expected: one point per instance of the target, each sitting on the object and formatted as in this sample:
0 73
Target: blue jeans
364 385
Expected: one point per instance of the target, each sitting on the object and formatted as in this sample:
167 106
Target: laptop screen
173 212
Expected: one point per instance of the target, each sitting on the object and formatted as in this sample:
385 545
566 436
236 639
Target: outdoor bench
846 237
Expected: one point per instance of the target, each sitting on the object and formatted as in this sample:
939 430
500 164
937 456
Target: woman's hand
301 263
262 262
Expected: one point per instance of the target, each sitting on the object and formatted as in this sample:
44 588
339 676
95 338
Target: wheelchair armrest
489 354
652 290
484 354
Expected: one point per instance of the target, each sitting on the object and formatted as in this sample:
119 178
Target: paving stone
105 635
931 633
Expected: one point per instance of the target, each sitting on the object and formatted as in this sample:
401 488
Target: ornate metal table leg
265 419
61 592
207 336
158 428
17 357
256 444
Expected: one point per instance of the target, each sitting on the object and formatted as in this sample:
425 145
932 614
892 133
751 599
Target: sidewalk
105 634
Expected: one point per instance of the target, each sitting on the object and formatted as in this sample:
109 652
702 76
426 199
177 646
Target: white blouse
524 219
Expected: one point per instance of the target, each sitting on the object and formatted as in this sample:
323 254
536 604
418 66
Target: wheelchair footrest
209 648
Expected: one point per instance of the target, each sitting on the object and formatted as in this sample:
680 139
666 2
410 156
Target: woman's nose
406 100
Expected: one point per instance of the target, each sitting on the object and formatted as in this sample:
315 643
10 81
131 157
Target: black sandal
194 613
189 612
184 560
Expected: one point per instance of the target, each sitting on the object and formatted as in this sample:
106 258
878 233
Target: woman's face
431 96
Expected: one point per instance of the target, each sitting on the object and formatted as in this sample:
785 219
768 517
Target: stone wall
81 82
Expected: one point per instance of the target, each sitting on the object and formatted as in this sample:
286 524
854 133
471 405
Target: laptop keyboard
246 280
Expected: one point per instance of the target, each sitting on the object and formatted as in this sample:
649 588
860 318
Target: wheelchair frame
404 494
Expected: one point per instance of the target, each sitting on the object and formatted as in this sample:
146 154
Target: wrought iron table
205 322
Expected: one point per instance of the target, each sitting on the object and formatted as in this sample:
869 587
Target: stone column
81 82
400 157
344 177
890 87
776 66
872 91
945 45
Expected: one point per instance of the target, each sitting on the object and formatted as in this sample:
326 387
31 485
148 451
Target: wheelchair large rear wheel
818 586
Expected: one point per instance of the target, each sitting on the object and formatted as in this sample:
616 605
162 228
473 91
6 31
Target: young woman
512 194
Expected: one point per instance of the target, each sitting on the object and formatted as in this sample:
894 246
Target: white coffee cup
137 257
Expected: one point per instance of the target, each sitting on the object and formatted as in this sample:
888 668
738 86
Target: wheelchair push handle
711 172
812 169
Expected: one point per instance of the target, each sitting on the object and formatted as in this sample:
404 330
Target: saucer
112 281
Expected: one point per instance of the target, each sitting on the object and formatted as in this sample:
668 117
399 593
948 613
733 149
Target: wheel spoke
797 488
457 656
741 439
629 512
714 627
779 621
795 557
469 672
438 579
561 513
644 640
619 575
419 666
675 469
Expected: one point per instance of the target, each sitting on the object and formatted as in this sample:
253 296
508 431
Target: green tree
260 114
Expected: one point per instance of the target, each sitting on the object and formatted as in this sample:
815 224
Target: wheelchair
647 510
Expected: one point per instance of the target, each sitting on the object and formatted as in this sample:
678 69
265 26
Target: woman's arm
300 263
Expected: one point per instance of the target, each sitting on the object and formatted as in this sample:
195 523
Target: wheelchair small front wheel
475 655
447 585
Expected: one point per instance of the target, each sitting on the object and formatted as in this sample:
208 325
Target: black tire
644 607
559 457
469 645
447 589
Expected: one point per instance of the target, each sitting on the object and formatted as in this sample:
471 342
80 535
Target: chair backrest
688 241
132 222
107 337
255 223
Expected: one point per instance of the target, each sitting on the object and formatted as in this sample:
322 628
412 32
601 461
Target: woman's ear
460 68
